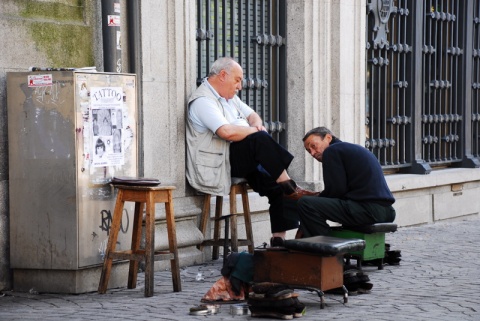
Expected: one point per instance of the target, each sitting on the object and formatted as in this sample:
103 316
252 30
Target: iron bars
252 32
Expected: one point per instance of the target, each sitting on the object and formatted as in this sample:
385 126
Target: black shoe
277 241
264 287
284 313
299 234
299 308
270 303
288 186
362 277
299 193
279 293
293 192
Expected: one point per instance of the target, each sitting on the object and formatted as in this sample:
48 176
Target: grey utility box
69 133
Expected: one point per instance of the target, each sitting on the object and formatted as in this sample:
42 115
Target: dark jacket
351 172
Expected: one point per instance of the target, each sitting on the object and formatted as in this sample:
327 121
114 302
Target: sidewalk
437 279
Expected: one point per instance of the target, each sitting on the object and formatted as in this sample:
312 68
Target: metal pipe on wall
112 50
133 9
133 34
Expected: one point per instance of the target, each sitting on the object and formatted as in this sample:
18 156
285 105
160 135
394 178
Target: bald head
226 77
223 63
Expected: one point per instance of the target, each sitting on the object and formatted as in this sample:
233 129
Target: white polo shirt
205 114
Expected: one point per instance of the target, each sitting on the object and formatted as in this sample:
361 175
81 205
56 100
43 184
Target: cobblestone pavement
437 279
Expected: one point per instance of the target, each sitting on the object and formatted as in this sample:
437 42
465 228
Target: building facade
335 61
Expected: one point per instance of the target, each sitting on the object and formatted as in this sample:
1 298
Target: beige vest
208 156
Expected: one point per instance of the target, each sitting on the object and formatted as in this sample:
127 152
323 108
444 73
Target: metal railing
418 70
475 103
252 32
388 108
442 75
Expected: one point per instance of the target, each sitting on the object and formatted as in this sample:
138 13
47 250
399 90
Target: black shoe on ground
285 313
277 241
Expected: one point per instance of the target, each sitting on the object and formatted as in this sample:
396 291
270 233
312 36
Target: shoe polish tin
213 308
239 309
204 309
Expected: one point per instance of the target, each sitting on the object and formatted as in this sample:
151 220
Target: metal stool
142 195
239 186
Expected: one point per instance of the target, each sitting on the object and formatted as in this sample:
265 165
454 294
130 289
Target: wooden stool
239 186
142 195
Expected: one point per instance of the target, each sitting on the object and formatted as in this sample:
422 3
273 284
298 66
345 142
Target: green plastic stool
374 237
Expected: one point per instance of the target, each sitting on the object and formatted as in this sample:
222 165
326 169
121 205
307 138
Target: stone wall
42 34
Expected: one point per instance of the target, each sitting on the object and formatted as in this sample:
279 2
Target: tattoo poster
107 120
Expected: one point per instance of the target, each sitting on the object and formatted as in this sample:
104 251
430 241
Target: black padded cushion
374 228
135 181
325 245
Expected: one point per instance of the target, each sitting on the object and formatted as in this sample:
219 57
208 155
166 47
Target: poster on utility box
106 107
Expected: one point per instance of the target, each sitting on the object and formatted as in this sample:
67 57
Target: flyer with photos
107 120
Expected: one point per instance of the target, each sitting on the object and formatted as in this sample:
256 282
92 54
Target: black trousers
260 160
315 211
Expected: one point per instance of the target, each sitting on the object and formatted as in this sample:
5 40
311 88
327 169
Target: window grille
253 33
475 103
442 77
389 79
418 70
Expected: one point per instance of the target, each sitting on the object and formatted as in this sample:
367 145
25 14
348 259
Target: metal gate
253 33
389 79
475 103
443 112
419 62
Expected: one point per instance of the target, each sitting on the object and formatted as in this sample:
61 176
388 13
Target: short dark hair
99 143
318 131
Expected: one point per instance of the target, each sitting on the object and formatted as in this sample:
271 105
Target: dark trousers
260 149
314 211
